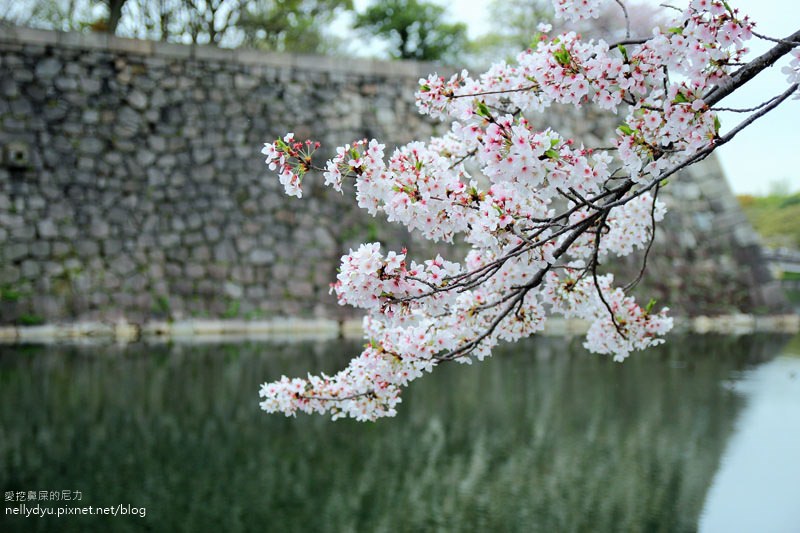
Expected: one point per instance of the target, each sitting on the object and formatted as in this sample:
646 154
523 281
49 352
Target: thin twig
639 277
627 19
774 39
748 110
534 87
594 265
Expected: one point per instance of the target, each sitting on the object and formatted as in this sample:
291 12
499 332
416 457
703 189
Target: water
543 437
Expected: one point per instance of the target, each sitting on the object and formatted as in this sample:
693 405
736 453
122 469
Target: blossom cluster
540 212
291 160
792 71
575 10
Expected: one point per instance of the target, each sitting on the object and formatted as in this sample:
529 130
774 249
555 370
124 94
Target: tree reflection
544 437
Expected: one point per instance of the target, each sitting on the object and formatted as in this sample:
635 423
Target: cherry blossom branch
752 69
521 292
527 260
702 154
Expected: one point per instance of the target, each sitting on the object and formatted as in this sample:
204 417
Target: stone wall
132 183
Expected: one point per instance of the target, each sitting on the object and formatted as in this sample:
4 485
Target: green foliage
232 310
30 320
414 30
290 25
9 294
199 21
62 15
161 306
776 217
279 25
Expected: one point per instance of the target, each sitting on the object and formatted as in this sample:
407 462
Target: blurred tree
208 21
290 25
196 21
414 30
114 14
514 26
153 19
63 15
283 25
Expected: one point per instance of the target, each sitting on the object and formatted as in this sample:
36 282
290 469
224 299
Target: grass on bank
775 217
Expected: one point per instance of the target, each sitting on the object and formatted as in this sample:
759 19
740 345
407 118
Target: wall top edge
307 62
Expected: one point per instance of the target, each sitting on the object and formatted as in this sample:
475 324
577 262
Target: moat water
702 433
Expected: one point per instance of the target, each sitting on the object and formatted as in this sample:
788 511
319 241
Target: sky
763 158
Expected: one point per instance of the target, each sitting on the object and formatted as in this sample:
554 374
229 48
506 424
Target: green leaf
483 110
717 124
680 98
554 142
623 51
624 128
552 154
677 30
425 88
562 56
650 305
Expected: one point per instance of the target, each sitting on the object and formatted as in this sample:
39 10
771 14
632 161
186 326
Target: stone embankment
132 186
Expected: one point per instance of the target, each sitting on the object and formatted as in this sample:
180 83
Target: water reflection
543 437
757 487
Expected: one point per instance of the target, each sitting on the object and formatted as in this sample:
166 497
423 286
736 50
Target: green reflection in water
543 437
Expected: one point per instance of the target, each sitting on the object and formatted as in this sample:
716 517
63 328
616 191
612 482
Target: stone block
47 229
48 68
261 257
99 229
87 248
111 247
92 41
169 240
60 249
15 252
23 233
201 254
245 82
213 53
133 46
9 274
28 35
224 252
92 146
195 271
172 50
30 269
